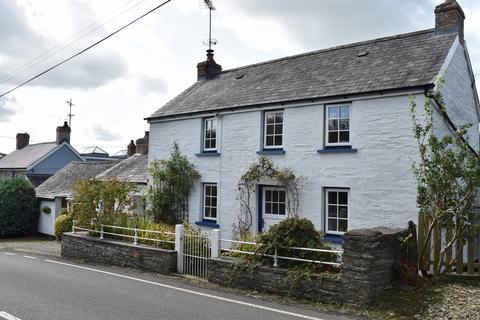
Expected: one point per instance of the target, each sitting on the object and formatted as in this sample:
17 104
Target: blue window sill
208 154
342 149
206 223
334 238
271 151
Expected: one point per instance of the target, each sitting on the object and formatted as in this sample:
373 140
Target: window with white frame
210 201
273 130
336 210
337 125
210 134
274 201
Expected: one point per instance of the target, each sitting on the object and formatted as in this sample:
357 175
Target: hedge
18 208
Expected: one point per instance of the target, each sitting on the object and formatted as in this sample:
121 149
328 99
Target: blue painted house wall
56 161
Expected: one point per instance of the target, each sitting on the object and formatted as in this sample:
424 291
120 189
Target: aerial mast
70 115
210 42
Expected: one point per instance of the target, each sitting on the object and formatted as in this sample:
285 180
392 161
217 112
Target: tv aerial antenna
209 5
70 115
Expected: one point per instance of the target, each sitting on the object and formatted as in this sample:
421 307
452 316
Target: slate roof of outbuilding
25 157
401 61
132 169
62 182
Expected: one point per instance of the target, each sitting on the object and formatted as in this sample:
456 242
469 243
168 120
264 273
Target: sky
118 83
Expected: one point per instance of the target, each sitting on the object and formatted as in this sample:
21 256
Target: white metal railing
275 256
135 236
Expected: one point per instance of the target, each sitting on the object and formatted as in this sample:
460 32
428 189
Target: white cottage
339 117
56 191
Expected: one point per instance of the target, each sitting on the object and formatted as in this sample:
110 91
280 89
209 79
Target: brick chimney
142 143
450 18
209 68
131 149
63 133
23 139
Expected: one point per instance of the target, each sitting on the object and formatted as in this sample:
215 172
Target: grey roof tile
132 169
23 158
62 182
406 60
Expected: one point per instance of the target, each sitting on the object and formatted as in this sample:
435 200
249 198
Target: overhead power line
86 49
82 34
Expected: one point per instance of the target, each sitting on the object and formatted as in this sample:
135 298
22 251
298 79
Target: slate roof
62 182
25 157
132 169
402 61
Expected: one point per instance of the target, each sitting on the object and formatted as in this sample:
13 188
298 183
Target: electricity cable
84 50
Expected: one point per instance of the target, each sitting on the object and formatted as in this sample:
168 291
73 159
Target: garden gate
194 248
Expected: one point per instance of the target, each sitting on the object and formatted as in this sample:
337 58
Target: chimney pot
131 149
23 139
208 69
63 133
142 143
450 18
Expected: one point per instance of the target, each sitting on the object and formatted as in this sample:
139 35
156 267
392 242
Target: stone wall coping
83 235
372 232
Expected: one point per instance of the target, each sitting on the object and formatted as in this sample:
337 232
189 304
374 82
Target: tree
18 208
172 181
447 174
103 202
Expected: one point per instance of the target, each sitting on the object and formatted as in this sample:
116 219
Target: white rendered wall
458 93
379 175
46 221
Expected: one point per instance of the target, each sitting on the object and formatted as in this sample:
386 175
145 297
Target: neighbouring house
55 192
133 169
94 153
37 162
340 117
121 154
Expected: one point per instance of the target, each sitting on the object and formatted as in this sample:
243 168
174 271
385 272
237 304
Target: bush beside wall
18 208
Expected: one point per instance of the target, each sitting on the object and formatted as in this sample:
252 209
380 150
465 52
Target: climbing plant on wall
264 168
172 181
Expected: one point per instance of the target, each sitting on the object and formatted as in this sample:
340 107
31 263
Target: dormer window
337 126
210 135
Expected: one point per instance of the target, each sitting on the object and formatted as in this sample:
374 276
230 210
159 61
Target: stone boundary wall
226 272
370 264
108 252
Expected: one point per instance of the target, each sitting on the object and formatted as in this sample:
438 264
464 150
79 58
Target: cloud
21 42
101 133
6 112
338 21
149 84
92 70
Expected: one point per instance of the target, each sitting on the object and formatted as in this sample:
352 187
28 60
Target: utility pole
70 115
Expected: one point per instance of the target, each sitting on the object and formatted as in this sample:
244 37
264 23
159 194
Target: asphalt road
36 287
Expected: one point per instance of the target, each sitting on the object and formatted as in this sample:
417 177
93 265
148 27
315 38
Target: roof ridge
343 46
38 143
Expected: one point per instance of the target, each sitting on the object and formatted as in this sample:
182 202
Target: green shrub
63 223
295 232
18 208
